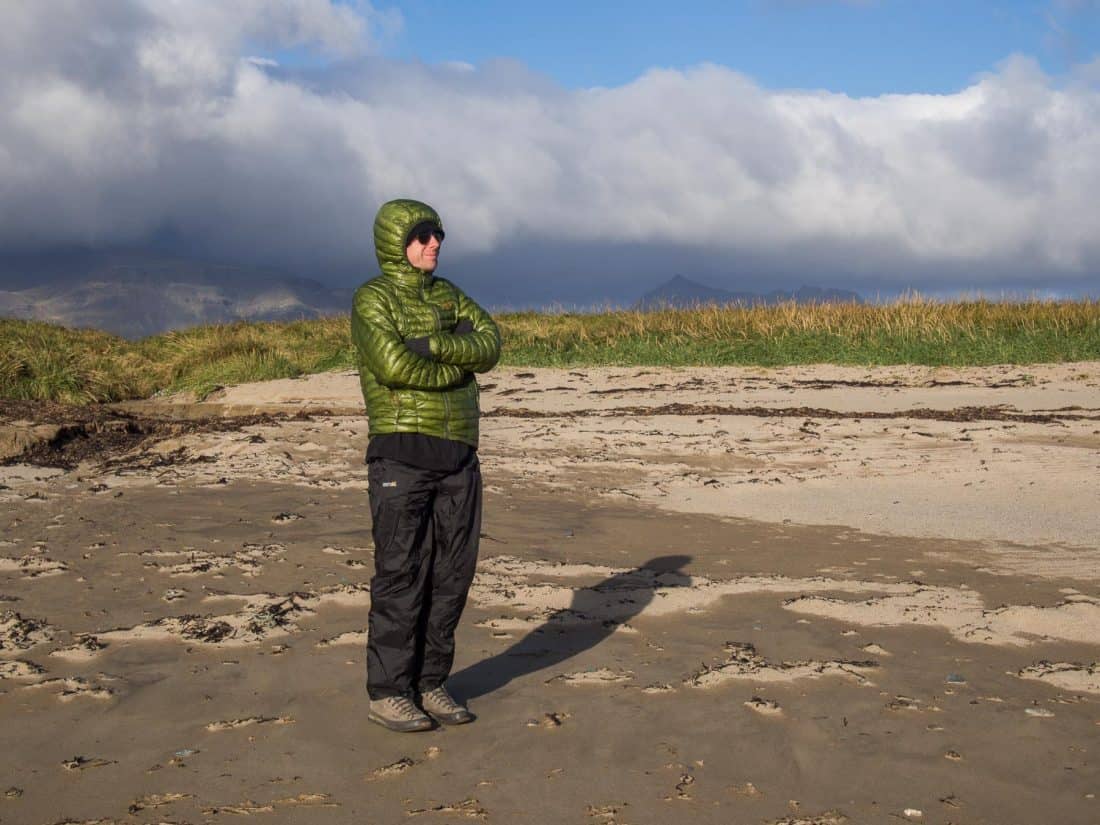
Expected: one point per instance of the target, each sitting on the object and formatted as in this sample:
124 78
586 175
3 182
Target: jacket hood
392 224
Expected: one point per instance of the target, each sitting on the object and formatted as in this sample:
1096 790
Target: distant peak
679 291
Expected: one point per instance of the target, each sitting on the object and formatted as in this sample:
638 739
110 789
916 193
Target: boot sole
459 719
400 727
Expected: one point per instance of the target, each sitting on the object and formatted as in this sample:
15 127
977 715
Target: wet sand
653 636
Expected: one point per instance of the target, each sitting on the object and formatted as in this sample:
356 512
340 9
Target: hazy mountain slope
683 292
137 296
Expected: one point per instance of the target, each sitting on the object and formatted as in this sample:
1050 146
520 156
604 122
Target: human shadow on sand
593 615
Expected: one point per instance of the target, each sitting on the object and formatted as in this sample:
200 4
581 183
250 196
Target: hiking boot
442 707
398 713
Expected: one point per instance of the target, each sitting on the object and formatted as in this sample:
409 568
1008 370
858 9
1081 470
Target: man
420 340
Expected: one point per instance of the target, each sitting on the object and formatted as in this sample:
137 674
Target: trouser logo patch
389 483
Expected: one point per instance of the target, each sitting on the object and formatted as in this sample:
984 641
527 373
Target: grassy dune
41 361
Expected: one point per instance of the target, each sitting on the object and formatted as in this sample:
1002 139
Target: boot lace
442 701
403 708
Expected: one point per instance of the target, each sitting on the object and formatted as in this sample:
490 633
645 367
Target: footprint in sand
827 818
247 721
606 813
157 800
765 707
393 769
245 808
550 721
599 676
352 637
320 800
467 808
402 765
83 763
77 687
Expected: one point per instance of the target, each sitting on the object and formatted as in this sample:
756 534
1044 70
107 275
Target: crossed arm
390 358
475 350
383 351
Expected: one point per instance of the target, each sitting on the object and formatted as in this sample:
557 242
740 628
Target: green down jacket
404 392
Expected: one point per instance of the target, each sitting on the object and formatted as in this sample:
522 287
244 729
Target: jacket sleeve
476 351
383 352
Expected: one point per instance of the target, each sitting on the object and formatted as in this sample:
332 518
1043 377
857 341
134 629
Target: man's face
424 255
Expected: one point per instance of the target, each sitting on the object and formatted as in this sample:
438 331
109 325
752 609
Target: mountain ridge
136 295
683 293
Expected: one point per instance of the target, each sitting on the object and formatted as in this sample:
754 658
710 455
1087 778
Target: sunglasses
425 233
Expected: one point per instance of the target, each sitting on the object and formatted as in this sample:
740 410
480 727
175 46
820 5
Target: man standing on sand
420 340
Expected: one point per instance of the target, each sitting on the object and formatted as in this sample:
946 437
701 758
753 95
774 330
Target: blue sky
859 48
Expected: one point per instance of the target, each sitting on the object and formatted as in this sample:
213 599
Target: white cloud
150 118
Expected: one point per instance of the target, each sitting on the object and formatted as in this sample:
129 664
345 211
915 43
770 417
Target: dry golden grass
914 317
47 362
914 330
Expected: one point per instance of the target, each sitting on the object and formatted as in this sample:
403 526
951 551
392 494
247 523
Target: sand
808 595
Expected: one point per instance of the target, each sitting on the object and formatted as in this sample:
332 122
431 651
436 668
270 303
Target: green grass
47 362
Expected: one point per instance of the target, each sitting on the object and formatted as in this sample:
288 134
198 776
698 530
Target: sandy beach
808 595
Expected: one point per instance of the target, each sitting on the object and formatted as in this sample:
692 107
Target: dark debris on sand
959 414
101 433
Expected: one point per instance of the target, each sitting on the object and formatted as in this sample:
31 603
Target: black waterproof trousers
426 529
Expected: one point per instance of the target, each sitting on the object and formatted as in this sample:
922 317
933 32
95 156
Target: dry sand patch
19 633
616 569
1011 472
1069 676
21 671
502 582
32 567
962 614
262 618
744 663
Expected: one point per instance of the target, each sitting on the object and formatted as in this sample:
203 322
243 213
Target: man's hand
420 346
464 327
